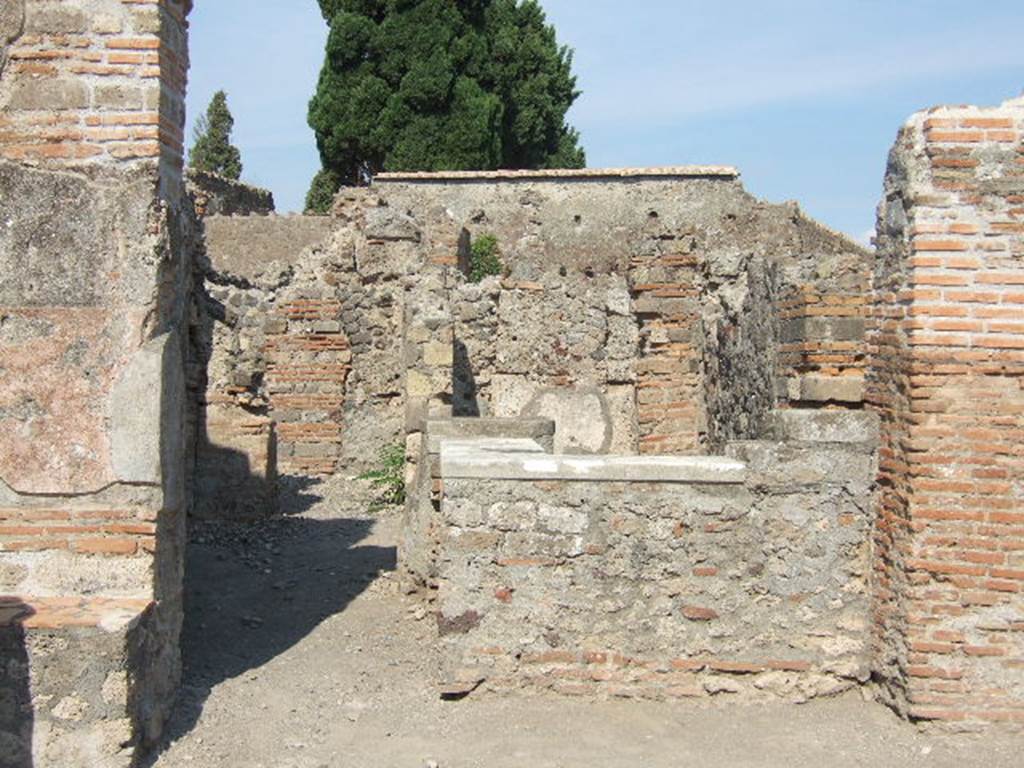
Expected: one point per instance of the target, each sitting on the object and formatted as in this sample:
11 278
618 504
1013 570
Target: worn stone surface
539 430
655 589
215 195
245 246
461 459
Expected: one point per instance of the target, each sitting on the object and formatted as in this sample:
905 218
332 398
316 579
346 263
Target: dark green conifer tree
427 85
212 150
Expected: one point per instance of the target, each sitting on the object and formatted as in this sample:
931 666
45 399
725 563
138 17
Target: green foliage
322 190
428 85
212 150
390 475
484 260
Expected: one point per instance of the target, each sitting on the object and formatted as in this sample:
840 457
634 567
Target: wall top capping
602 174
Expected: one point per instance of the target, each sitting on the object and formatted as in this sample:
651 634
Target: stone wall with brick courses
97 81
664 281
92 316
646 299
556 347
750 590
335 331
946 375
734 306
276 354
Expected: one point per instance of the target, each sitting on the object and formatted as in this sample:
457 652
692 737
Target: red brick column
947 376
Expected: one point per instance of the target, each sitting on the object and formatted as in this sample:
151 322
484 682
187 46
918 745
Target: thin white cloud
685 88
665 61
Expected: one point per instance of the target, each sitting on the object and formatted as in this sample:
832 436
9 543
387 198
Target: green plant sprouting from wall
389 477
484 260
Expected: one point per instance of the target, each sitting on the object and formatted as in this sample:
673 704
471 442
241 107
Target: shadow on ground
254 590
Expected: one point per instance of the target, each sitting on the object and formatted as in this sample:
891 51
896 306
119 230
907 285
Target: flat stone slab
486 461
489 428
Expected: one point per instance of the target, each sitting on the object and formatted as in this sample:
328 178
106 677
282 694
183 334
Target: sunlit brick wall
948 379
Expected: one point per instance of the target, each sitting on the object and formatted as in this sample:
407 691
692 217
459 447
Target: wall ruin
689 317
672 321
690 265
92 337
660 578
946 376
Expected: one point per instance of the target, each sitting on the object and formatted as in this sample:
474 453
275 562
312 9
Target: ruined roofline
568 174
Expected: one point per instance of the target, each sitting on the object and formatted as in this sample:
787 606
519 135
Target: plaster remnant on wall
143 409
582 419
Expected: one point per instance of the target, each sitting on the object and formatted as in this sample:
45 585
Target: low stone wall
661 576
420 530
77 666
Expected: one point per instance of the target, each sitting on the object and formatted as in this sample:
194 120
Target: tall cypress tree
431 85
212 149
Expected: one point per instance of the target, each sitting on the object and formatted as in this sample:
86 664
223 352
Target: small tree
212 150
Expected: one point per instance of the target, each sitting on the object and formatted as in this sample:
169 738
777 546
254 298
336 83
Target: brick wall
307 367
946 375
666 289
97 81
822 355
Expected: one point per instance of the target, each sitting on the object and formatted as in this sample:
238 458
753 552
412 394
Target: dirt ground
301 652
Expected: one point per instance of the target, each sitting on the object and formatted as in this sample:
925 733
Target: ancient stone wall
946 376
668 299
92 313
665 577
216 195
307 350
644 310
556 347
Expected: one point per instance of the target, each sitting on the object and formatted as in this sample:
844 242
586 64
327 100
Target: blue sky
804 97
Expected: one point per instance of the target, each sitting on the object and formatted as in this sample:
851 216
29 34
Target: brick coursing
666 294
101 82
947 376
81 530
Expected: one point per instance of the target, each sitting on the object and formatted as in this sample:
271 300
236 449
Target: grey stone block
822 426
